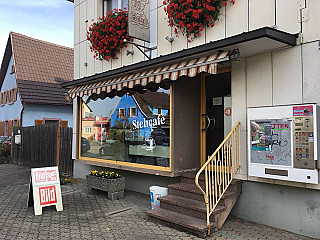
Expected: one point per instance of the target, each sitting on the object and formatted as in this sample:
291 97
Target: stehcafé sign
45 189
139 19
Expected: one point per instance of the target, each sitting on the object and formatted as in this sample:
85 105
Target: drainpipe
21 114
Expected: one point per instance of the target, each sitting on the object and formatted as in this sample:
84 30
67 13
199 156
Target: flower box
114 187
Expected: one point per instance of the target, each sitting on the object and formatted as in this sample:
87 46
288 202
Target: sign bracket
146 49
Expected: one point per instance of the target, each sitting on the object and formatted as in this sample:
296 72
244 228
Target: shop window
120 137
133 111
87 130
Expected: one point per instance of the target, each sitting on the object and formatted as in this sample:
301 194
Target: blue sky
49 20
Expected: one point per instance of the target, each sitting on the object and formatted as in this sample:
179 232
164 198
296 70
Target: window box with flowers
107 36
110 182
191 17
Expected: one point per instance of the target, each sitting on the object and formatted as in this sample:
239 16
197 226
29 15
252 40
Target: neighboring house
276 45
139 108
30 77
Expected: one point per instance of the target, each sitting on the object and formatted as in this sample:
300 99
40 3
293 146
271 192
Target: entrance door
216 112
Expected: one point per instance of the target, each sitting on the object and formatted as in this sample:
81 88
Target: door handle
209 122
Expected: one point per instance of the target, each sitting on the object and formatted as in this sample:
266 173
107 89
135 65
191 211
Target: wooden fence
43 146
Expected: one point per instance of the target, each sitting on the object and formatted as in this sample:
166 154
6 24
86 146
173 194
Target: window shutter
15 90
10 127
63 123
5 97
38 122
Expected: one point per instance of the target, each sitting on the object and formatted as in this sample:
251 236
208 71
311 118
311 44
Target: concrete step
195 225
189 177
186 190
187 206
191 191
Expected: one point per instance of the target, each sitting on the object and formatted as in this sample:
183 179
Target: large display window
134 128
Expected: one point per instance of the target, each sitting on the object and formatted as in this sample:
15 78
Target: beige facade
289 75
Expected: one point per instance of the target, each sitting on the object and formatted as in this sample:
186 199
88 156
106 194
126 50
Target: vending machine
283 143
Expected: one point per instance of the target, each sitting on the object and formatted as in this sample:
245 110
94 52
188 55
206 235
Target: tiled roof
158 100
40 68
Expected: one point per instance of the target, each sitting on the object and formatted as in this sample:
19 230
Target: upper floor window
12 69
133 111
87 130
108 5
121 112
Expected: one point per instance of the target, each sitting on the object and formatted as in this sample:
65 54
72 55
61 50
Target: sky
48 20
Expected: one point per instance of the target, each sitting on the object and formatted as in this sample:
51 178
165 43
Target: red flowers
191 16
106 36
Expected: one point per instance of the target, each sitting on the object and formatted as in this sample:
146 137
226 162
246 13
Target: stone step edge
189 203
180 219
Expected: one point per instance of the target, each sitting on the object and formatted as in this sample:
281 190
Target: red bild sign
40 176
47 195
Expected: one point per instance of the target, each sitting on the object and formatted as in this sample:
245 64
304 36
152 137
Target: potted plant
110 182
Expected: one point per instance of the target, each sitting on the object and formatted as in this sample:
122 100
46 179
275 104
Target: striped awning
189 68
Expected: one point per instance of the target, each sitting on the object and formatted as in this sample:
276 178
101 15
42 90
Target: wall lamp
169 39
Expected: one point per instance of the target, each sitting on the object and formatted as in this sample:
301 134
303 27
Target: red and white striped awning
189 68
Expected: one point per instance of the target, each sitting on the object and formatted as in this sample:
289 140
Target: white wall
243 16
10 111
289 76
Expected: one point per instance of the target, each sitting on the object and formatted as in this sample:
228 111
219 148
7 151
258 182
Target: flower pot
114 187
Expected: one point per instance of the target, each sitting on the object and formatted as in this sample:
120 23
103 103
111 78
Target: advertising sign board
139 19
45 188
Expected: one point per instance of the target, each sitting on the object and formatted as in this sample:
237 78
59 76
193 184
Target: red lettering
47 195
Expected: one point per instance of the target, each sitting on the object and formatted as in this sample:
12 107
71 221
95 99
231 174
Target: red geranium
191 16
108 34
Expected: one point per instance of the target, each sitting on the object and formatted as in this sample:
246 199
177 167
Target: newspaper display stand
45 188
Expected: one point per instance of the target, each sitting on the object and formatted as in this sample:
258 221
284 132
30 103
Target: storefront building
154 119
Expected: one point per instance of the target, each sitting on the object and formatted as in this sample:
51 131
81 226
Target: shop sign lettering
280 126
45 176
47 195
148 123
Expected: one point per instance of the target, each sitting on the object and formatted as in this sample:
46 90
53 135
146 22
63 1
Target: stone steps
192 224
185 206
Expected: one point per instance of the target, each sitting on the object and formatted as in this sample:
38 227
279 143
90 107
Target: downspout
302 19
21 114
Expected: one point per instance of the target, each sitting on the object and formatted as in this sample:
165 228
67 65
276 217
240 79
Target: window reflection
133 128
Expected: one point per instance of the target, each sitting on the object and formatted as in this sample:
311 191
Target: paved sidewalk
89 215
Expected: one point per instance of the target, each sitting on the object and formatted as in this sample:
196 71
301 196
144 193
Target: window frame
119 112
130 111
85 130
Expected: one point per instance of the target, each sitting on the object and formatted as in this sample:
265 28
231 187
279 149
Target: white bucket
155 193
